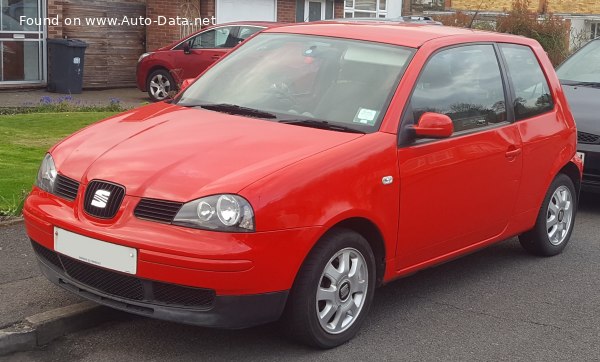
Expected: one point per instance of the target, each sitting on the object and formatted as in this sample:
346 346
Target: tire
342 267
555 220
159 84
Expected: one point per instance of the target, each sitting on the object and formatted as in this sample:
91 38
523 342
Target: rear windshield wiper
234 109
315 123
581 84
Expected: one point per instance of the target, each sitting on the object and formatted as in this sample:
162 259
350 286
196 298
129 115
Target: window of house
594 30
463 83
365 8
531 88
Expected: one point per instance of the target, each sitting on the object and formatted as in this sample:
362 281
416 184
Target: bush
549 30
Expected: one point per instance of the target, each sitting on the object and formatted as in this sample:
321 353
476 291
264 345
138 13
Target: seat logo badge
387 180
101 198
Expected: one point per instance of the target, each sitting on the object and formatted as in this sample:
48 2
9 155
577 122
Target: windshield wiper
234 109
315 123
581 84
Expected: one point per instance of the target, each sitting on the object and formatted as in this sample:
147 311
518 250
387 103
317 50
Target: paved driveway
497 304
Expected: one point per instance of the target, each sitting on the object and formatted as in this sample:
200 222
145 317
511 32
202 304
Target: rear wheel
160 84
333 291
555 220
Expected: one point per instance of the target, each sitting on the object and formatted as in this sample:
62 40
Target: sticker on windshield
366 116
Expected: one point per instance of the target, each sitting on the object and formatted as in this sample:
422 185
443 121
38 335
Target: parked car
401 19
580 78
159 72
311 165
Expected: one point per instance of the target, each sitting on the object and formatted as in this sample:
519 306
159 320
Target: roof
404 34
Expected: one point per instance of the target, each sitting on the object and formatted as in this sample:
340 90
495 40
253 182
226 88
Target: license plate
582 156
96 252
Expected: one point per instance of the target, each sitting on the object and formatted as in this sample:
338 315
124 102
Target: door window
247 31
463 83
216 38
532 94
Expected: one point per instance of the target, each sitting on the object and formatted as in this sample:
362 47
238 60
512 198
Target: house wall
497 5
544 6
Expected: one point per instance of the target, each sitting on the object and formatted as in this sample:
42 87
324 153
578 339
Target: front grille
127 286
47 254
186 296
157 210
66 188
588 138
109 282
100 204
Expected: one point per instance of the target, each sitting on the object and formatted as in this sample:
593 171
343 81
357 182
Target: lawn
24 139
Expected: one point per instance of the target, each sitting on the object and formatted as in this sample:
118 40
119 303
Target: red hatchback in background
160 72
313 164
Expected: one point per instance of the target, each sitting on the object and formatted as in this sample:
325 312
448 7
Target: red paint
449 196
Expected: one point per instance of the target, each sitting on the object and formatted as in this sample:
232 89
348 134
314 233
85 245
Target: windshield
304 80
583 66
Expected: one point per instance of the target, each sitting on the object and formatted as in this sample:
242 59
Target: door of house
22 41
315 10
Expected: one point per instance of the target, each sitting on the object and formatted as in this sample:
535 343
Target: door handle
513 152
216 57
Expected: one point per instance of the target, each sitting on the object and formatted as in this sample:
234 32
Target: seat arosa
311 165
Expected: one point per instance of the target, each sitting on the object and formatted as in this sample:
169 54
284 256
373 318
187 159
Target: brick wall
497 5
55 7
574 7
338 9
551 6
207 8
286 11
161 35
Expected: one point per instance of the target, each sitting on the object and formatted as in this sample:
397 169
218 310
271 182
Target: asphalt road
497 304
23 290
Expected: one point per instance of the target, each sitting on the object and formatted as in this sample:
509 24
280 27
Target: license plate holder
95 252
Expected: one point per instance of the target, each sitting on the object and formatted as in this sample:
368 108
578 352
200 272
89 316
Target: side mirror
434 125
186 83
186 48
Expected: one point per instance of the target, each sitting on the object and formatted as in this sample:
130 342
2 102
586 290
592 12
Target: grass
24 139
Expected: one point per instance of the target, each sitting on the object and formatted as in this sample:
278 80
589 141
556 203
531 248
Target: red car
159 72
311 165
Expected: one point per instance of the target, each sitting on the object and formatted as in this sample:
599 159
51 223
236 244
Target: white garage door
242 10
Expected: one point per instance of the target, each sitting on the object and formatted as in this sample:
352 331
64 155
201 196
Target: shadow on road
590 202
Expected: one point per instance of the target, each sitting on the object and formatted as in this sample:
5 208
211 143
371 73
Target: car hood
585 107
174 153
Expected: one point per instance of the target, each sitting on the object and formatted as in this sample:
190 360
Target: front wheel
160 84
333 291
555 220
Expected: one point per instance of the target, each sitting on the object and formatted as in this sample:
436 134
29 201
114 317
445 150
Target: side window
216 38
463 83
531 88
247 31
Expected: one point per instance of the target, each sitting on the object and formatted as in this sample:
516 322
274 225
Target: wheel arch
368 230
156 67
573 172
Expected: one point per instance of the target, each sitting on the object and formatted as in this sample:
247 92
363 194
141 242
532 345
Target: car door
205 49
458 191
539 123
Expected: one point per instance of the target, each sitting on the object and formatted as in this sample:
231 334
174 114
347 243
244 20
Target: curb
42 328
11 221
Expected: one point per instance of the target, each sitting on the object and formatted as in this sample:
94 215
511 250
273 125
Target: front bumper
591 168
159 300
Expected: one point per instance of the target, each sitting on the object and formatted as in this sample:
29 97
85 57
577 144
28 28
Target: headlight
219 212
143 56
47 174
